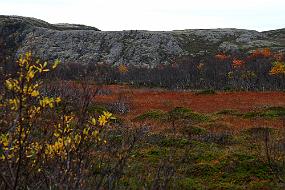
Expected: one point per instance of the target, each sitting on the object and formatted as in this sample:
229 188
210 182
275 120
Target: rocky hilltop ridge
81 44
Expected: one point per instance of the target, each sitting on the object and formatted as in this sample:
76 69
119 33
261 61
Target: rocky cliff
88 45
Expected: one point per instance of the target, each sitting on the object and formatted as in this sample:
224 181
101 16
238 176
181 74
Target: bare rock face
81 44
88 47
228 47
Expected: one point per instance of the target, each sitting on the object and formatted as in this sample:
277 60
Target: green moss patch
151 115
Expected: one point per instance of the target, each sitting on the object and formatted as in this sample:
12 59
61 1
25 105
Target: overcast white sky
154 14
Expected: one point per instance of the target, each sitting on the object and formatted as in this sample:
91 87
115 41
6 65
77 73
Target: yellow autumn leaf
93 121
102 120
35 93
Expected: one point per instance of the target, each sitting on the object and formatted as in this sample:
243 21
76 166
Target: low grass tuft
188 114
152 115
271 112
268 113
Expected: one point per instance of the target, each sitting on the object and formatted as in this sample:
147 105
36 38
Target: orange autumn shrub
265 52
278 68
123 69
237 63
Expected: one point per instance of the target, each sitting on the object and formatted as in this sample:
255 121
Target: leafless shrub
122 105
274 150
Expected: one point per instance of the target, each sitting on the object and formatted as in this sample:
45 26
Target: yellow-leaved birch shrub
278 68
33 144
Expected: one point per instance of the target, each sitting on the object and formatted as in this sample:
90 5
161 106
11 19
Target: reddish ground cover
145 99
142 100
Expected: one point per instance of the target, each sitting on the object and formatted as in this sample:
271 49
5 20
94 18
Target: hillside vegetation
82 108
74 135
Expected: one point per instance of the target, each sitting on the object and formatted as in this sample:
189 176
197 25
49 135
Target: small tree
35 143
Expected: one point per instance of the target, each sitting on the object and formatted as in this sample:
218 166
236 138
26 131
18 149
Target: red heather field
144 99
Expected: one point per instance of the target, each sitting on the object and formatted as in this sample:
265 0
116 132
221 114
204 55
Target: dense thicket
257 71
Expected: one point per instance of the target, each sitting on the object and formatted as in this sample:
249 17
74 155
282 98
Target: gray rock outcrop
88 45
